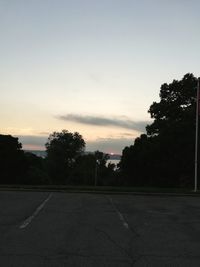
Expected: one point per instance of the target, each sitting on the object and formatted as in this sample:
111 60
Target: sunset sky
91 66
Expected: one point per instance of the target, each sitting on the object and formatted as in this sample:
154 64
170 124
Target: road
65 229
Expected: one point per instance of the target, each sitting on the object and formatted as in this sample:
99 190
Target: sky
91 66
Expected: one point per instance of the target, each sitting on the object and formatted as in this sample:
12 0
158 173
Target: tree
62 150
176 108
174 123
13 163
165 156
92 168
83 172
36 172
138 161
105 173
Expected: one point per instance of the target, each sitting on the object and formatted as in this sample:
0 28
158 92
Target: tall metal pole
196 140
96 170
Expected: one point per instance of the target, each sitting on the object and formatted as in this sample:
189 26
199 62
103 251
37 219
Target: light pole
96 172
197 134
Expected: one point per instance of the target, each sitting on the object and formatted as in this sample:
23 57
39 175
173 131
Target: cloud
121 122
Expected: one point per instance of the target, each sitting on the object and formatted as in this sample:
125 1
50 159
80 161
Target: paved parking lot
63 229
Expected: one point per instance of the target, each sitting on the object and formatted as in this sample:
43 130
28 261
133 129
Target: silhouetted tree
83 172
62 149
93 167
12 160
36 172
176 107
101 160
165 156
174 123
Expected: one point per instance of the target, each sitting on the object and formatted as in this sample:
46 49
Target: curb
103 192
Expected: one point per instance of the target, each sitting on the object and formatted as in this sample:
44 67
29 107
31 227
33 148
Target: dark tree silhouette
92 169
176 108
165 156
101 168
36 172
13 163
62 150
83 172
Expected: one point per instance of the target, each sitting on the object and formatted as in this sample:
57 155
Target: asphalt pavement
78 229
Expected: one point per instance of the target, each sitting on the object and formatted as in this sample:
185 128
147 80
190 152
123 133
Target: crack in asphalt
122 249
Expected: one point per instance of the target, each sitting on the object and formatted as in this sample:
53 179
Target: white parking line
29 219
125 224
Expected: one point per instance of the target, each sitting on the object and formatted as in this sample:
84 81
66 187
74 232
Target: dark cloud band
102 121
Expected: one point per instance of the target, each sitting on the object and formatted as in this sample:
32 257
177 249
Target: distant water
41 153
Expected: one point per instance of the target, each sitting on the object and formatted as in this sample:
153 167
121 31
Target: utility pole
96 173
197 133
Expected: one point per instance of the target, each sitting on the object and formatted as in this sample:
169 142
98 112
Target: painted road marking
125 224
30 218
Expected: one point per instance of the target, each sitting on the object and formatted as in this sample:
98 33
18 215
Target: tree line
163 156
65 163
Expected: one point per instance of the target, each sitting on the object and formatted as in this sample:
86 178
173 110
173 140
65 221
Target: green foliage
165 156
